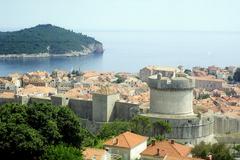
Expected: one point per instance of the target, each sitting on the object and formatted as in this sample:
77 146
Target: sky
118 15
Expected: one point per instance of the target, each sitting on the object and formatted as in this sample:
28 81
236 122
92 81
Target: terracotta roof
208 78
126 140
33 90
167 148
181 158
7 95
4 81
89 153
107 90
38 74
163 68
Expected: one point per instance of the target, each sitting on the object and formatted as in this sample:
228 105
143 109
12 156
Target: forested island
47 40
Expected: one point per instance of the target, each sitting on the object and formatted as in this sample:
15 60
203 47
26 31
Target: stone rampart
187 129
125 110
226 125
40 100
83 108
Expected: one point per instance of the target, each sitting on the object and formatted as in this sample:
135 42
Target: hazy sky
122 14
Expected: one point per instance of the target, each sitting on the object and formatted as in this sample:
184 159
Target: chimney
153 142
158 151
172 141
115 141
209 157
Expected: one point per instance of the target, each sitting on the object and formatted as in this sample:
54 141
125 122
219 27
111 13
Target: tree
140 125
120 79
188 72
236 75
91 140
161 128
221 152
203 96
115 128
69 125
45 39
201 150
230 78
61 152
218 151
20 141
237 149
26 130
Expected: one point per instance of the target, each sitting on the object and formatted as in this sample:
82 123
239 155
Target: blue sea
130 51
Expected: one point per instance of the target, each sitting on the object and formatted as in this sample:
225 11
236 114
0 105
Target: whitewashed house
127 145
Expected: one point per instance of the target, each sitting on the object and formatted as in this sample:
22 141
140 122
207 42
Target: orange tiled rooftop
169 148
126 140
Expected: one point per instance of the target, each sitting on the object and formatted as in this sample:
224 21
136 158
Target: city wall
126 111
226 125
226 129
187 129
83 108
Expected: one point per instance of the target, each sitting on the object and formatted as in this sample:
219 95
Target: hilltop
47 40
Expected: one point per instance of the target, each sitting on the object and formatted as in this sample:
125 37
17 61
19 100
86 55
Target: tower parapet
178 82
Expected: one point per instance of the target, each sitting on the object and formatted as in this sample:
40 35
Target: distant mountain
47 39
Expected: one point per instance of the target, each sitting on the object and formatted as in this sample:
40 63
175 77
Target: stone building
128 145
152 70
209 83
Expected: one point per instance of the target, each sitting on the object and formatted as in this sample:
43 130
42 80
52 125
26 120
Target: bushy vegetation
61 152
218 151
26 131
43 131
115 128
236 76
139 125
204 96
43 39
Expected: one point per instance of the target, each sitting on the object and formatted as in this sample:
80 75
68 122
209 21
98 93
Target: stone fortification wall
191 128
107 107
187 129
103 107
39 100
59 100
22 99
92 126
125 111
83 108
228 138
7 100
226 125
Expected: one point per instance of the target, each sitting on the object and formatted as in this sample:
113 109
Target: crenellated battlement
177 82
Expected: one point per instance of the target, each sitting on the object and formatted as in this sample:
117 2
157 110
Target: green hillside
46 39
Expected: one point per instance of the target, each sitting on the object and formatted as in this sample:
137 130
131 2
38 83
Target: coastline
92 48
43 55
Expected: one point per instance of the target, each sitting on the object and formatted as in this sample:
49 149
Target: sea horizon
129 51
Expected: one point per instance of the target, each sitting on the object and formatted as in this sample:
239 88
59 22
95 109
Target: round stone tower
171 95
171 101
